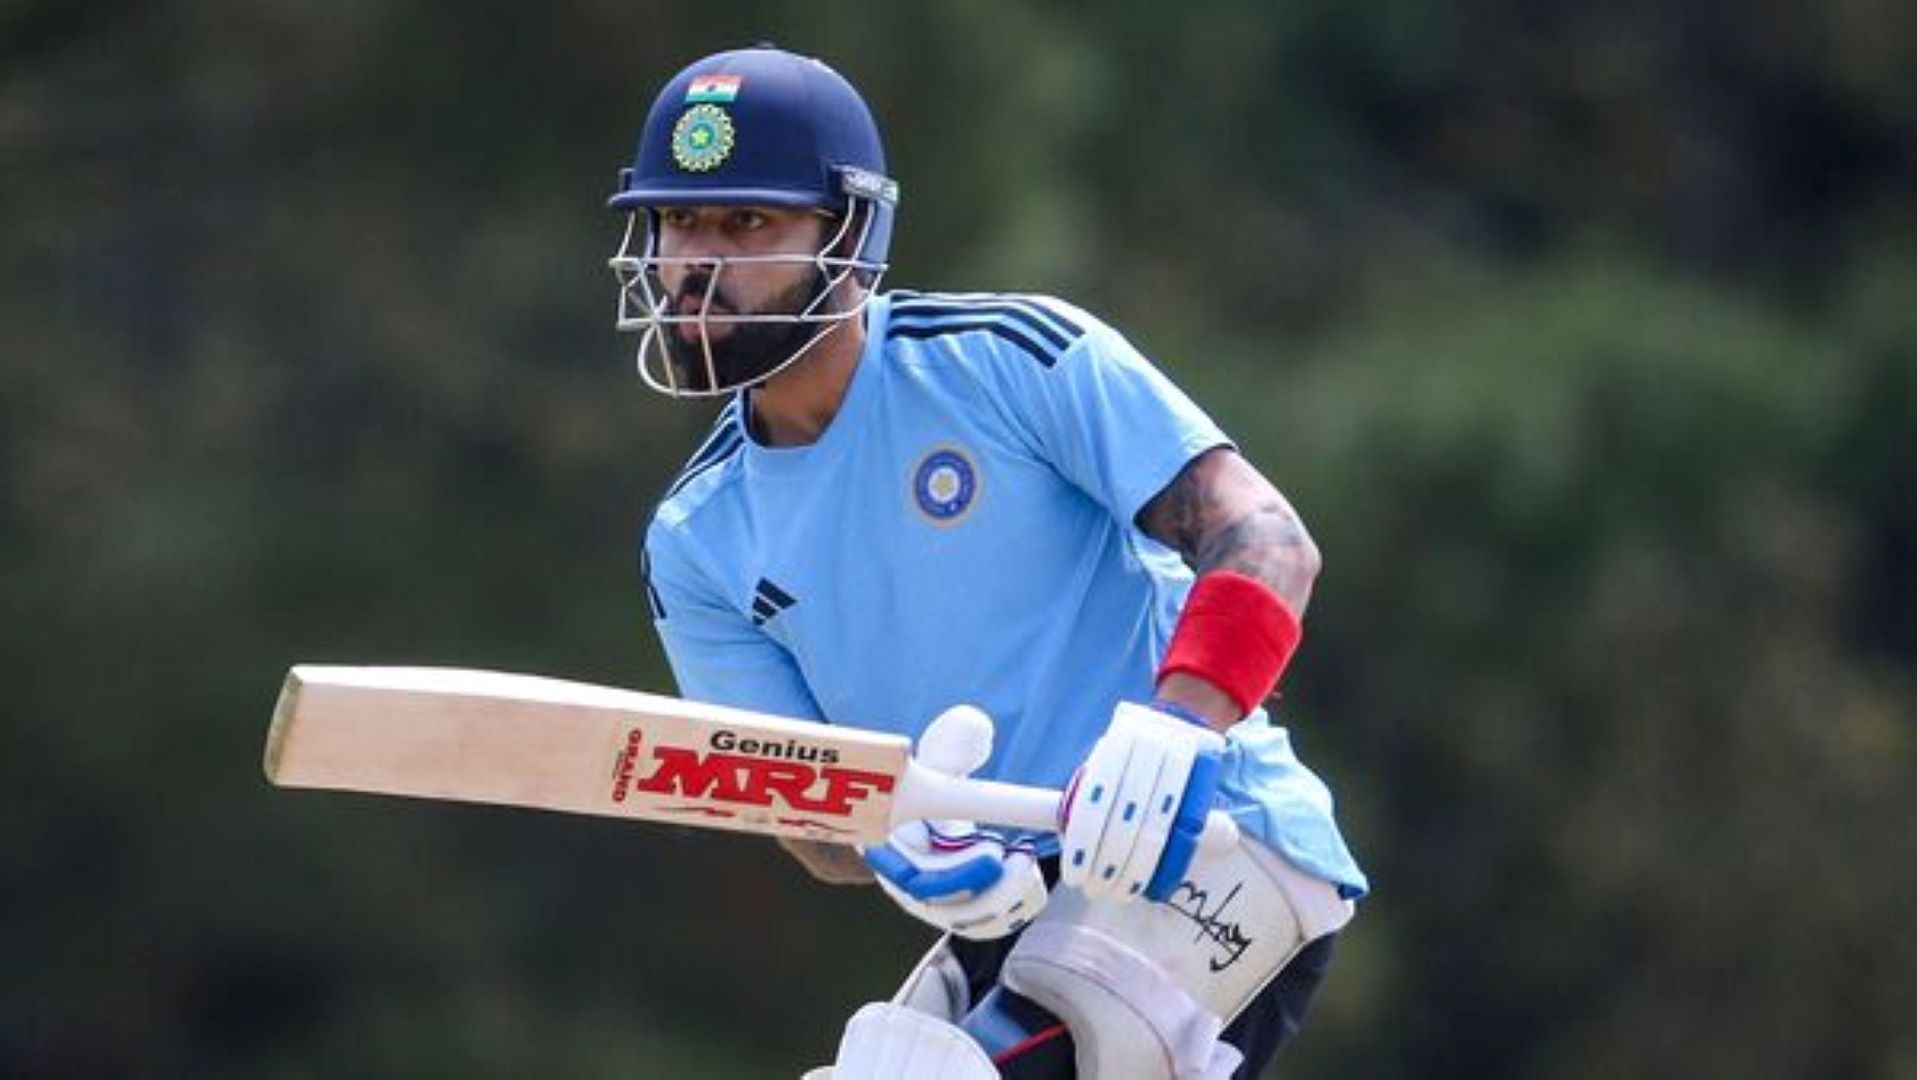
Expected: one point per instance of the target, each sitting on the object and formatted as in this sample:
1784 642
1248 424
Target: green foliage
1581 336
1597 646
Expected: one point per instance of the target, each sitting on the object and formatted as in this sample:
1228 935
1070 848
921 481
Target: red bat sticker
747 779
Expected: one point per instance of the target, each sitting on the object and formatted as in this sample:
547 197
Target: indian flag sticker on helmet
713 88
702 139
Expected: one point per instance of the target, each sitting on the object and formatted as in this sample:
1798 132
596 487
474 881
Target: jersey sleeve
1106 417
715 652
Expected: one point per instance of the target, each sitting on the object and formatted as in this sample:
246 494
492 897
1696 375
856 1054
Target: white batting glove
1135 809
963 880
973 882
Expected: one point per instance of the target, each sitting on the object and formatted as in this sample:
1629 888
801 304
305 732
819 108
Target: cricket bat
552 744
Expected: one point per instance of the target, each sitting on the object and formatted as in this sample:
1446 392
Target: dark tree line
1582 337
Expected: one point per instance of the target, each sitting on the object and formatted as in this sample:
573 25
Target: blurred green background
1584 336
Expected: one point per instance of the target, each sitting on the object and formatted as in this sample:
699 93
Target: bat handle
925 793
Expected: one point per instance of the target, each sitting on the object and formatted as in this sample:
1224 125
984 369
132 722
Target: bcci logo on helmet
702 139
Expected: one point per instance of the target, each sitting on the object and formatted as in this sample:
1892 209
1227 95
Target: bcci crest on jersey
945 484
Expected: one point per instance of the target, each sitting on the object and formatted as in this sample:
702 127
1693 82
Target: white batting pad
884 1041
937 986
1146 988
1226 930
1126 1018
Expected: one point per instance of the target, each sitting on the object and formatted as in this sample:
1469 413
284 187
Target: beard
749 351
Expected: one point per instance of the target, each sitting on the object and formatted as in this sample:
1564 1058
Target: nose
687 270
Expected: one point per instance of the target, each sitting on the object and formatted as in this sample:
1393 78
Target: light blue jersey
961 532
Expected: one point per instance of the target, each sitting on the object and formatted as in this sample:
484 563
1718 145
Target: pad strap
1236 634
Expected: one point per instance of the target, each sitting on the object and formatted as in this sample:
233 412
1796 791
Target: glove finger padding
1148 846
1132 792
1123 810
960 879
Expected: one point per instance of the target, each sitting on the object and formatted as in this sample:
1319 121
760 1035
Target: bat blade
529 741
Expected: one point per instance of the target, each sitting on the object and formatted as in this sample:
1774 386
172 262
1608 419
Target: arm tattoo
1220 514
1269 544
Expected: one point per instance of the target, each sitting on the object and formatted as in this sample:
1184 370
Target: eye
746 219
676 217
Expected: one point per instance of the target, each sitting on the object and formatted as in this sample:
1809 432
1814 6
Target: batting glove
975 883
1135 810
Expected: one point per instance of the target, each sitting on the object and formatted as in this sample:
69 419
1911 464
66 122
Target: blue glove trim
1172 708
971 877
1201 790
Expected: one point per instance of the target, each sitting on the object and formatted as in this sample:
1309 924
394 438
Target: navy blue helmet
751 127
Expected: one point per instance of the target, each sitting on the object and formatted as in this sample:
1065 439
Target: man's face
735 281
744 288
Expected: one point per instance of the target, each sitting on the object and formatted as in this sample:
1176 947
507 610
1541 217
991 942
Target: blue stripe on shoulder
1067 326
722 426
1037 330
1044 356
653 603
724 441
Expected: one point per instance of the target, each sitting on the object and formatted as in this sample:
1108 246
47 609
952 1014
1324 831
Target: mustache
697 291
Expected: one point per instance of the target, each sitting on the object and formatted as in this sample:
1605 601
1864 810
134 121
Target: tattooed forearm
1221 514
1270 544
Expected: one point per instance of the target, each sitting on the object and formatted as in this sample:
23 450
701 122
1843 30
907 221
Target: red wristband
1236 635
